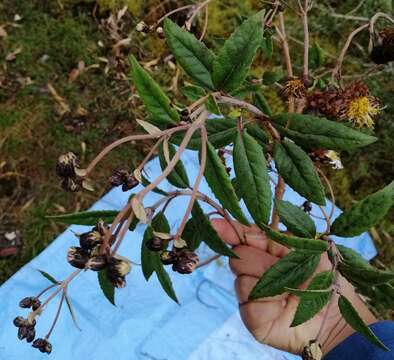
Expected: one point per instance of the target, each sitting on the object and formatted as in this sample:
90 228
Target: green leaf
267 46
195 58
271 77
166 282
86 217
313 132
364 214
317 55
251 169
295 219
208 234
310 245
192 234
235 57
48 277
178 176
355 268
220 131
298 171
156 190
153 97
261 103
150 260
259 134
289 272
314 298
106 286
192 92
351 316
220 184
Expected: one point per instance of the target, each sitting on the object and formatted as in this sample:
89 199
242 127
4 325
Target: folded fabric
145 324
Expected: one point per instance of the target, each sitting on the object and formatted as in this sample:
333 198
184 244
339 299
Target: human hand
269 319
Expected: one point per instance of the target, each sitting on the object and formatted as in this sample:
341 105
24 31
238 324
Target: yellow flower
362 110
294 87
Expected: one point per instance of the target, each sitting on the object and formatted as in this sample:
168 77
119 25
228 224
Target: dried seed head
156 244
72 184
117 270
43 345
382 54
142 27
294 87
387 35
101 227
186 262
307 206
66 165
30 335
20 321
27 302
90 240
167 257
160 32
77 257
130 183
97 263
22 332
118 177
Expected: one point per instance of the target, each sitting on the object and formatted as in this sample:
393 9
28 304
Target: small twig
56 316
304 15
374 19
206 18
330 189
182 8
208 261
189 22
285 45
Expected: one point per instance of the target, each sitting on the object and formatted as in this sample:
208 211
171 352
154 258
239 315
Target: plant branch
59 309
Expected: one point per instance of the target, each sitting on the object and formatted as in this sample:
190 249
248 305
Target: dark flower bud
142 27
97 263
30 334
186 262
36 304
27 302
156 244
101 227
130 183
90 240
307 206
22 332
20 321
66 165
72 185
117 270
43 345
160 32
168 257
77 257
118 177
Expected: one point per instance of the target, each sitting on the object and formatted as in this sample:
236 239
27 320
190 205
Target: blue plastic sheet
145 324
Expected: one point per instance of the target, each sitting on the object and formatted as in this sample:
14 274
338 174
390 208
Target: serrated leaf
314 132
261 103
258 134
192 234
86 217
220 184
221 132
364 214
178 176
166 282
351 316
208 234
289 272
317 55
235 57
153 97
312 303
106 286
48 276
355 268
311 245
271 77
298 171
157 190
251 169
194 57
295 219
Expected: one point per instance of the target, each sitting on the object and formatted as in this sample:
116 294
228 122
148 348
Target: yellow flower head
294 87
361 110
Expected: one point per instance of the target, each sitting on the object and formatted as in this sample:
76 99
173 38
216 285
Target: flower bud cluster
122 177
66 168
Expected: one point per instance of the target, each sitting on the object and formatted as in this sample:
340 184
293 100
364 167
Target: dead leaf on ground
12 55
3 33
63 107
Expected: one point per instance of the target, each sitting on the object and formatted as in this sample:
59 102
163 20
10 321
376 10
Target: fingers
252 235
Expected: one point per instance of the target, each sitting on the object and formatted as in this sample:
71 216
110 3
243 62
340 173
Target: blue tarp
145 324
